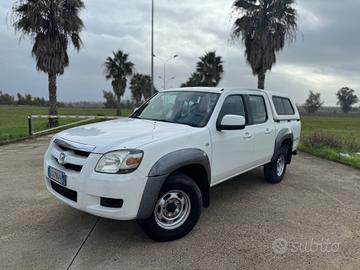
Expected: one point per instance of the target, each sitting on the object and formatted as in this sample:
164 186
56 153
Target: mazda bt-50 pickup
158 165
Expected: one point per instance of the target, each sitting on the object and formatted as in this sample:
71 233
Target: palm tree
52 25
117 69
194 80
140 87
264 26
146 89
136 87
210 69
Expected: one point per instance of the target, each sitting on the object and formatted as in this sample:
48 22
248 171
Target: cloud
324 57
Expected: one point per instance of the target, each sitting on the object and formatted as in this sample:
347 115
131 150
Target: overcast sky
324 58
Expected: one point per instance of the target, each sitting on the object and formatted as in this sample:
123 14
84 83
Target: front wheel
274 171
176 211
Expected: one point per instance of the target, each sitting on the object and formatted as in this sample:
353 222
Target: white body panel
230 152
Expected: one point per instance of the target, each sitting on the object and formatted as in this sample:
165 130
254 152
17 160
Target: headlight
122 161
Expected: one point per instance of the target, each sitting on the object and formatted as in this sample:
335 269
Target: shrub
317 140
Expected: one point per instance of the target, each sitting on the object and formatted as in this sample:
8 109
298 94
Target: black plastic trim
163 168
111 202
63 191
281 137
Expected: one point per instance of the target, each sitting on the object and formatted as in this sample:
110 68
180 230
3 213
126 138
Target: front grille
70 166
66 192
74 158
73 167
110 202
76 152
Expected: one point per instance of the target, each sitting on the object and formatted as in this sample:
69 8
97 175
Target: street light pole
152 47
166 81
164 67
164 76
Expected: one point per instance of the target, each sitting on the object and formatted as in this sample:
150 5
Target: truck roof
222 89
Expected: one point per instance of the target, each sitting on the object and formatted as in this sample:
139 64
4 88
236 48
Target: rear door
263 127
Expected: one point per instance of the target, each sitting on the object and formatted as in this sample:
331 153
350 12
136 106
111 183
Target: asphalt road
314 213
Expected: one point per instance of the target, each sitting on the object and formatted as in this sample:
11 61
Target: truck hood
124 133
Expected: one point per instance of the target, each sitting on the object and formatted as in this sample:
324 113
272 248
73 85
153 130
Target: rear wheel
274 171
176 211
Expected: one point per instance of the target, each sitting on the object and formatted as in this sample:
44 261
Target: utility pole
152 47
164 77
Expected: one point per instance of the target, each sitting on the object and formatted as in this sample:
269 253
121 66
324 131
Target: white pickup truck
158 165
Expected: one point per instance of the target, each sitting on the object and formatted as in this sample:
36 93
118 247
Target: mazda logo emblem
62 158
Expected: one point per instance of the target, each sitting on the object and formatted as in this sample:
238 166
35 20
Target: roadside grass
13 119
331 154
332 137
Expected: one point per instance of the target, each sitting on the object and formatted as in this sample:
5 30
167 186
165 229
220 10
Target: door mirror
232 122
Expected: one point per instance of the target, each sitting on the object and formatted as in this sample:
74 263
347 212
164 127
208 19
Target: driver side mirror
232 122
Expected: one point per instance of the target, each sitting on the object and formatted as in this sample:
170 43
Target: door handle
268 131
247 135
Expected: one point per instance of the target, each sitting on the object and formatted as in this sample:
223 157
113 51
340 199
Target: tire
176 211
273 172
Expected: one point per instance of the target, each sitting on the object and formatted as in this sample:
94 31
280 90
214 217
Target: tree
20 99
110 100
194 80
146 90
6 98
135 88
209 71
28 99
140 87
346 98
118 69
313 102
51 25
264 26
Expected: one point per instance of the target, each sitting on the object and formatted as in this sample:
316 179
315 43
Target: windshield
182 107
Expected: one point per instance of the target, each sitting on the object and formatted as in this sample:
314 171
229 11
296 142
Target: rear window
283 106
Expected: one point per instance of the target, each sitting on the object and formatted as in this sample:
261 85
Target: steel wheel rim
172 209
280 165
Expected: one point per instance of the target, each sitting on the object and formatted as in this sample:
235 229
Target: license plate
57 176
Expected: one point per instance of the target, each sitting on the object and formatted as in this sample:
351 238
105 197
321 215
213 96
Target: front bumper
91 186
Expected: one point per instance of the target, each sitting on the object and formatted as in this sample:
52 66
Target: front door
233 150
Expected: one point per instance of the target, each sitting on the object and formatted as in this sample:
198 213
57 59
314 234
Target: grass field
323 136
327 137
13 119
346 127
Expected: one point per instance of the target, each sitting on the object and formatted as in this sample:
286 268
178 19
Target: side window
288 107
279 107
257 109
283 106
233 104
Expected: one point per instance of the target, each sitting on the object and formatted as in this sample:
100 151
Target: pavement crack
333 198
82 244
